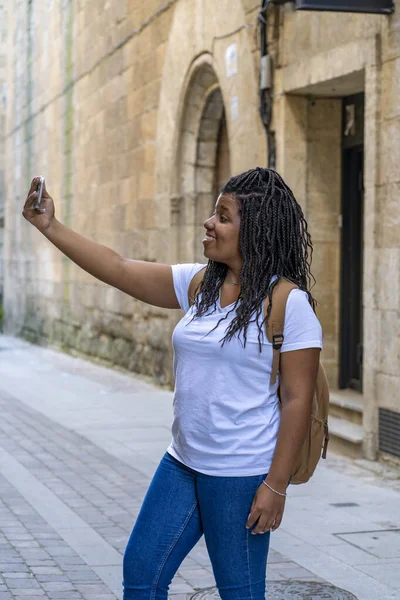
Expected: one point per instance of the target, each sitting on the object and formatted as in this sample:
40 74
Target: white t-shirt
226 412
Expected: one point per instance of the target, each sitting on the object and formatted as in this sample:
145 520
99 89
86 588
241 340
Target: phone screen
39 189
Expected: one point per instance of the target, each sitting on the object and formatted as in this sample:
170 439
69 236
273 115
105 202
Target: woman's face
221 242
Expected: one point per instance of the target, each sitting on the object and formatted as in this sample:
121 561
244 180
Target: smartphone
39 189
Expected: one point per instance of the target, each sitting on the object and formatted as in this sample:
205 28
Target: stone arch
195 59
202 160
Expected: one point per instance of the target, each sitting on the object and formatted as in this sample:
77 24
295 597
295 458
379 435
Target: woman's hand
268 508
42 217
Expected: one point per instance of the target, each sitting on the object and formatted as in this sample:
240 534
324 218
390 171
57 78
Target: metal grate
364 6
389 431
344 504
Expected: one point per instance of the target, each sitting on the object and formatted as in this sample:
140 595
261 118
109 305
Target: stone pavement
78 446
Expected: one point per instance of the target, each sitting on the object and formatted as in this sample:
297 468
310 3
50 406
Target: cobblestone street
78 446
68 498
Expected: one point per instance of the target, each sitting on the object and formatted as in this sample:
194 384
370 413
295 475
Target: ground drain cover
344 504
289 590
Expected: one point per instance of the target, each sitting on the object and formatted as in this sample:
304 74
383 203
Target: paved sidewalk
78 446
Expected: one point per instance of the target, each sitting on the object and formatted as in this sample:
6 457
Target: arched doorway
203 163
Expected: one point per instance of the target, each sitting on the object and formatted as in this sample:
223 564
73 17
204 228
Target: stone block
206 153
388 278
149 157
162 25
389 342
161 245
328 311
394 23
322 215
330 352
148 126
151 93
390 40
250 5
149 9
391 89
387 387
137 75
146 41
146 186
326 254
131 204
103 346
114 64
120 352
160 57
135 241
204 179
114 89
372 338
129 77
390 153
388 216
130 135
146 217
133 105
369 275
147 68
122 166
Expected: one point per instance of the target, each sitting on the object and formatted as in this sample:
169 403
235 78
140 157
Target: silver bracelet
272 489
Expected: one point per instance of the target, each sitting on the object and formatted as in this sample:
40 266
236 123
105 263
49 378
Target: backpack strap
193 285
276 321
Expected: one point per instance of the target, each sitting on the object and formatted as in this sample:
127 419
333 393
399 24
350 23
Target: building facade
136 113
3 94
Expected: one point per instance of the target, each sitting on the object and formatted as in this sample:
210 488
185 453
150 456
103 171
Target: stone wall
87 122
2 150
90 122
384 223
323 57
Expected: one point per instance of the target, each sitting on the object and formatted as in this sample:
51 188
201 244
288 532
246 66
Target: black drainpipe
266 95
266 84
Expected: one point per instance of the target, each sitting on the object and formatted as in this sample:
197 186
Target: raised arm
147 281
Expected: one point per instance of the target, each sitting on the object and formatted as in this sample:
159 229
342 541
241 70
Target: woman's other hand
267 508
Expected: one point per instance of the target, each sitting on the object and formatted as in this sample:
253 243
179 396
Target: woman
226 471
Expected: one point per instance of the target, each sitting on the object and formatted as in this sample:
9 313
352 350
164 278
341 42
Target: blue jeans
180 505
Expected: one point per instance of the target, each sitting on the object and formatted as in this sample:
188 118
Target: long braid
273 240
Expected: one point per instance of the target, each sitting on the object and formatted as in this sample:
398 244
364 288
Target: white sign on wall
231 60
234 108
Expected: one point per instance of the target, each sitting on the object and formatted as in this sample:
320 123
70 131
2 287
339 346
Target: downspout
266 84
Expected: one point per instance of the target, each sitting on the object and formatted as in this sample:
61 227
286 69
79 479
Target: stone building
136 112
2 128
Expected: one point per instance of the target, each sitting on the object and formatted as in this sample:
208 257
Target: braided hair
273 240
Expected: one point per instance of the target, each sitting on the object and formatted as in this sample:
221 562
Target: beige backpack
316 442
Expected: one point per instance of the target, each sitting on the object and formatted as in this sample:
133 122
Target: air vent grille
389 431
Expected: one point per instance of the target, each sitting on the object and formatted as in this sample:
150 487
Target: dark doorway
351 312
